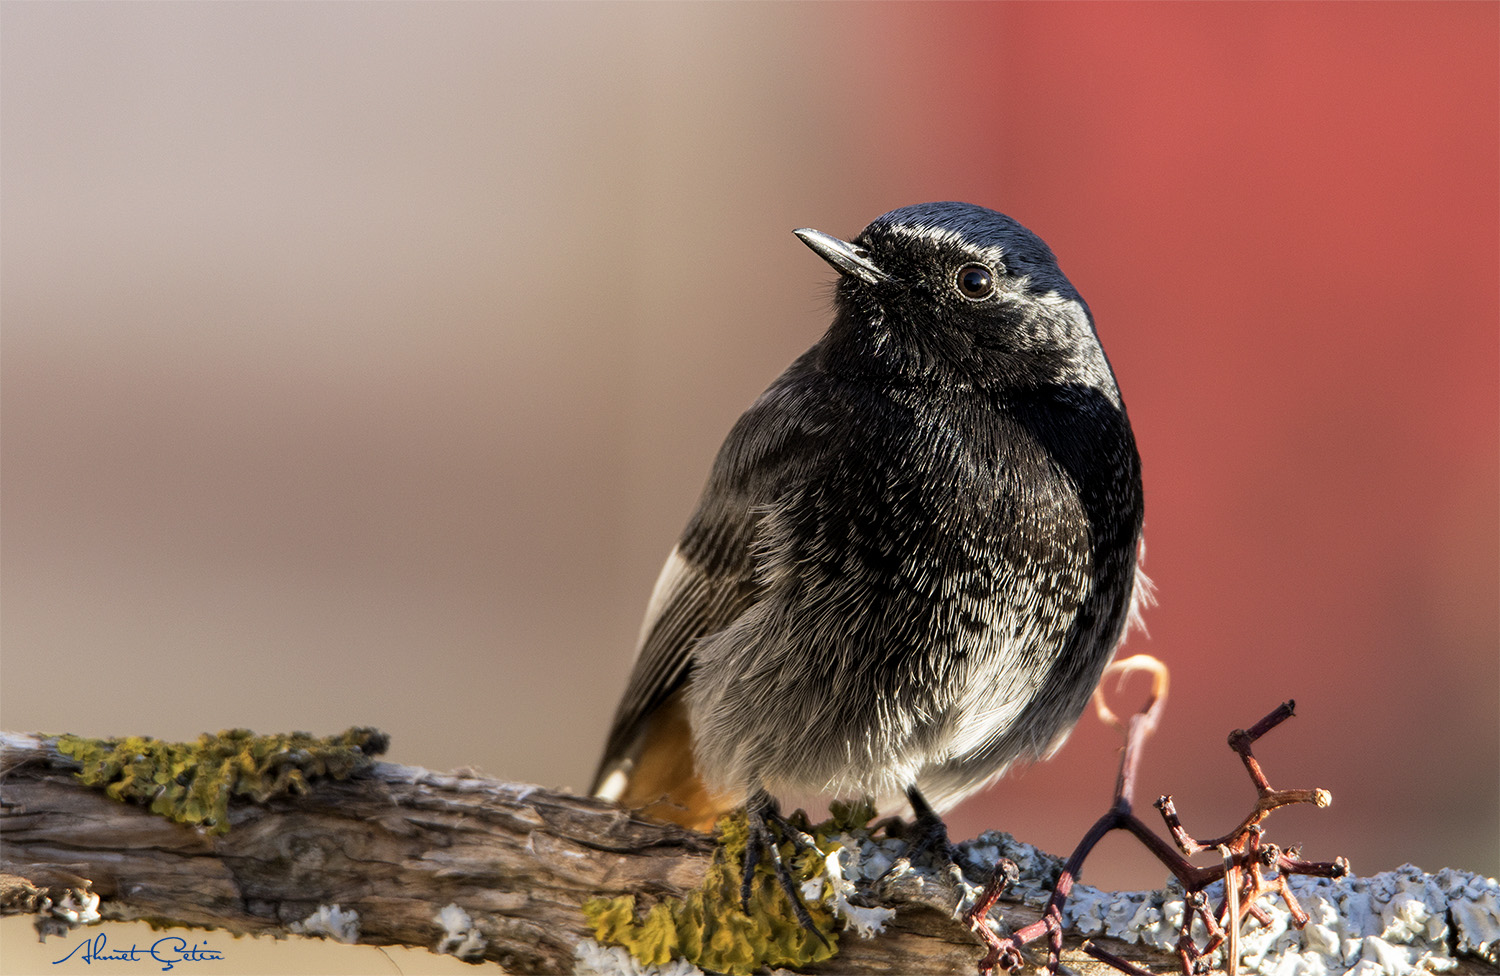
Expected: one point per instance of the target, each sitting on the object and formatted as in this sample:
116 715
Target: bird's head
957 294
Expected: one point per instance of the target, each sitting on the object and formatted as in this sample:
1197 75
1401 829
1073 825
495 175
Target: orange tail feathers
664 783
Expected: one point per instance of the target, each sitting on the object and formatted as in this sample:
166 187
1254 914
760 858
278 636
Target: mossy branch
452 862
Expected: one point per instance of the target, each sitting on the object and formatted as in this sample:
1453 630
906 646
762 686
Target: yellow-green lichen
709 928
191 782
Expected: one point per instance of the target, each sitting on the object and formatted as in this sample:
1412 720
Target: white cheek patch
1060 323
1065 309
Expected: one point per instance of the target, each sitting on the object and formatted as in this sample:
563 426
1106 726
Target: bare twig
1243 859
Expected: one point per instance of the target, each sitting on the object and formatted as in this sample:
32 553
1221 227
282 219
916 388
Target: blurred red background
361 363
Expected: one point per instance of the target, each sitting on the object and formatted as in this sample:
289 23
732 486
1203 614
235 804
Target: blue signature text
168 952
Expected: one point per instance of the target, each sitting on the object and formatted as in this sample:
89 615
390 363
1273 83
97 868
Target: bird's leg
929 835
765 822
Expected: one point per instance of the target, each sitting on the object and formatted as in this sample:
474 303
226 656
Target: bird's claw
764 823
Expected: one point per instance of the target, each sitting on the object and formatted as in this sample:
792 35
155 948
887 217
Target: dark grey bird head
956 294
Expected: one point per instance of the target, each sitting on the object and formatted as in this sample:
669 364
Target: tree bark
397 845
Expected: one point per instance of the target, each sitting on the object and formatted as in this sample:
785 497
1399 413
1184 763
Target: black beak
845 257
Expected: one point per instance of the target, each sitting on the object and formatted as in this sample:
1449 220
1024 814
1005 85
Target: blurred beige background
362 362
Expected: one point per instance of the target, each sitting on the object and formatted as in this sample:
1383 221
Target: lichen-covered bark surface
397 846
453 863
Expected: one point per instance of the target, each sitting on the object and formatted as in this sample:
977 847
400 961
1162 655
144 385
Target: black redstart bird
915 554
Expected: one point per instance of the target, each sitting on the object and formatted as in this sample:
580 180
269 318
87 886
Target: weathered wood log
395 846
454 862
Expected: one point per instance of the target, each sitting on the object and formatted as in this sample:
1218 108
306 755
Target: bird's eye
975 282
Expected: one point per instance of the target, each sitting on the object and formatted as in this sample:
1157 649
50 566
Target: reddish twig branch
1250 868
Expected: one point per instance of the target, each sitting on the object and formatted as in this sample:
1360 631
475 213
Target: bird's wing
711 576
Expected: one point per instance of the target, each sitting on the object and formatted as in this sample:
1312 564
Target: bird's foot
928 836
767 830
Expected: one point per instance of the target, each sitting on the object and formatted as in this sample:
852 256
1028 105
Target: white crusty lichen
329 922
460 936
78 906
1397 922
592 959
843 866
